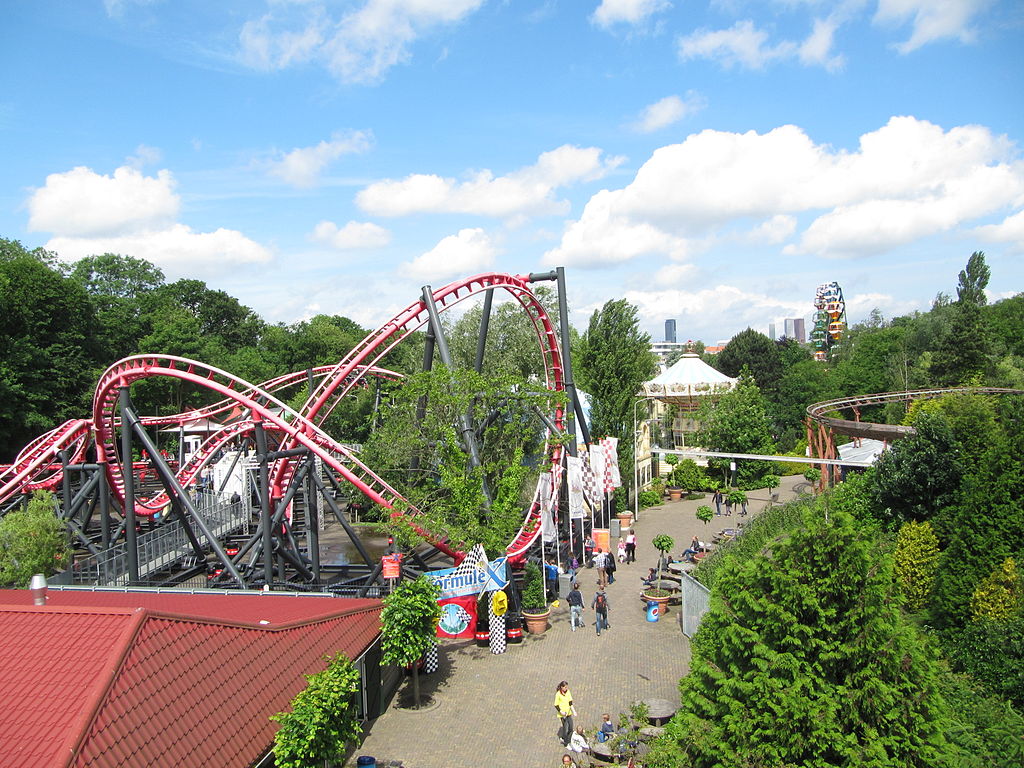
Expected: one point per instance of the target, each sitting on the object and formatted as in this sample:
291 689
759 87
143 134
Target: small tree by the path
409 626
663 543
324 720
705 514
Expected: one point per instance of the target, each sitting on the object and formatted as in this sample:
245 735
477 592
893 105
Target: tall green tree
974 280
32 540
759 354
805 659
612 362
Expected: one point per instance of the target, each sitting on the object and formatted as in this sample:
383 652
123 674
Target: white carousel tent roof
689 377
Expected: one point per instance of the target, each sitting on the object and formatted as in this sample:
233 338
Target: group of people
599 604
574 739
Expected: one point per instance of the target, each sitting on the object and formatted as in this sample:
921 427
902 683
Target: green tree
612 362
48 347
323 722
999 596
921 474
32 540
805 659
758 353
973 281
737 422
964 351
409 626
916 560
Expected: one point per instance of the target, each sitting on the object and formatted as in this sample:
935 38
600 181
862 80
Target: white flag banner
575 474
547 521
597 466
611 449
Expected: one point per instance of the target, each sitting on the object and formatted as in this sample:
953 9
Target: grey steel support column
104 508
485 323
421 404
567 379
170 482
313 518
65 483
468 436
268 544
130 536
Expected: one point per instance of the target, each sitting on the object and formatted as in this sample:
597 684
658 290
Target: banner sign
458 617
469 581
575 475
392 565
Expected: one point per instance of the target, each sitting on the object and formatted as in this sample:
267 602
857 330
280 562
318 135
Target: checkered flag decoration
612 478
593 488
498 641
431 660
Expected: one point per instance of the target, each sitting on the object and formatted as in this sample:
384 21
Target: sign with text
459 582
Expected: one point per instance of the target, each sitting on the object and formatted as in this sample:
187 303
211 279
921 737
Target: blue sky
711 162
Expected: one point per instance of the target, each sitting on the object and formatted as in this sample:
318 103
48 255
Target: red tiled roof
144 679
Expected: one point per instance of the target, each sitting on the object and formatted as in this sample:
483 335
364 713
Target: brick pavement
498 711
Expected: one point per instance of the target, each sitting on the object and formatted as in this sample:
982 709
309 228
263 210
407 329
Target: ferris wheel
829 318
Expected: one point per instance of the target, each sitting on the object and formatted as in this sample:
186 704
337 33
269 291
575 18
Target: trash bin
365 761
653 610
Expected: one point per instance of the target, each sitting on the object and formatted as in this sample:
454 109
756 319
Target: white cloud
81 202
693 308
674 274
907 180
528 190
144 156
931 19
669 110
468 252
742 44
358 45
1010 230
129 213
177 250
817 48
354 234
302 166
627 11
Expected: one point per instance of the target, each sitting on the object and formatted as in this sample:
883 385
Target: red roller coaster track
35 466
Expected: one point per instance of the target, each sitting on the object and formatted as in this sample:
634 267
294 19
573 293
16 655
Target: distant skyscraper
795 329
670 331
771 331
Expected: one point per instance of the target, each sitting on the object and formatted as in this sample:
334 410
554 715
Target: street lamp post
636 463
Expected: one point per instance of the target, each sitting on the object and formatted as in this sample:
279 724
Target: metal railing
164 547
696 599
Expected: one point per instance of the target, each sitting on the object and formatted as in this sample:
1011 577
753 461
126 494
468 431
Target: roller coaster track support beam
421 403
356 541
174 488
313 518
268 544
124 400
466 425
485 325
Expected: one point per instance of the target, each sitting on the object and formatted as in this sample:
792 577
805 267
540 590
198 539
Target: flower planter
675 494
625 519
661 600
536 623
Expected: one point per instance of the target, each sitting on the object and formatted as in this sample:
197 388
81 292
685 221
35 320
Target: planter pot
675 494
661 601
536 623
625 519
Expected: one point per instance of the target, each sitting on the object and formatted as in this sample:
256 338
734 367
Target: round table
659 711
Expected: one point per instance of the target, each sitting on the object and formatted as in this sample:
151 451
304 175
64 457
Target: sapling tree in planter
535 609
663 543
409 626
705 513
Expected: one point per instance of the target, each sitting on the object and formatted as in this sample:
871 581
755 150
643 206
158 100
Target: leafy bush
705 513
32 540
992 652
689 476
533 589
649 498
324 720
999 596
916 560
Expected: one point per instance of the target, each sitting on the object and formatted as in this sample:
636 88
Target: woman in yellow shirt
565 710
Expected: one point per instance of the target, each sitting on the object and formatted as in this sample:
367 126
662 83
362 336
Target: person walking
631 546
601 563
575 601
565 710
717 498
600 606
588 552
551 574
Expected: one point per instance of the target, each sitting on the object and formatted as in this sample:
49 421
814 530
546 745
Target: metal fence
164 547
695 601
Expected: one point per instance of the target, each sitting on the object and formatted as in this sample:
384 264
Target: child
606 729
622 551
578 743
651 577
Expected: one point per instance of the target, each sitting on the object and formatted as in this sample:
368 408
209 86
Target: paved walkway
498 711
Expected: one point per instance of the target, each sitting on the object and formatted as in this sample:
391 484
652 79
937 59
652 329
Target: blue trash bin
653 610
365 761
